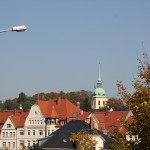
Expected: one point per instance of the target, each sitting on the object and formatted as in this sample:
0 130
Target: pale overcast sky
66 40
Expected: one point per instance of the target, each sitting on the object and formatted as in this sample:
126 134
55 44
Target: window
28 132
104 103
33 132
30 122
52 121
28 143
13 145
41 121
99 103
21 132
35 112
33 142
4 144
6 134
48 122
62 122
22 143
10 134
13 134
38 122
40 132
48 132
52 131
9 145
3 134
8 125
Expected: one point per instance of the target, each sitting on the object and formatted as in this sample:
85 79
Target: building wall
100 142
34 128
99 102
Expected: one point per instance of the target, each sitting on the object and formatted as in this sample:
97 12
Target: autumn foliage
139 104
83 140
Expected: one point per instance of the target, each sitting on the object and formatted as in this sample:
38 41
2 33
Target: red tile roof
4 115
61 108
84 116
111 119
17 116
19 119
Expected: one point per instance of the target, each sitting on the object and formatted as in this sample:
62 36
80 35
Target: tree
139 104
22 97
119 140
83 140
115 103
11 104
86 105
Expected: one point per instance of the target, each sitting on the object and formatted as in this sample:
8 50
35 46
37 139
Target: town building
19 129
59 140
12 129
22 129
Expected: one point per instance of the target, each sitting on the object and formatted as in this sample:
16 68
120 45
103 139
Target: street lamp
16 28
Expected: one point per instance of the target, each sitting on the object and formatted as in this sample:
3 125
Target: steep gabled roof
84 116
114 119
5 114
19 119
17 116
53 113
110 119
63 108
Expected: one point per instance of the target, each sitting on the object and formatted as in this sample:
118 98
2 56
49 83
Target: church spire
99 81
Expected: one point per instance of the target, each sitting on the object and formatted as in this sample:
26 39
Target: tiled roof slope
84 115
4 115
19 119
111 119
63 107
60 138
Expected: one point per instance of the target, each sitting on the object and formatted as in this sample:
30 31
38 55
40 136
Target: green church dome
99 92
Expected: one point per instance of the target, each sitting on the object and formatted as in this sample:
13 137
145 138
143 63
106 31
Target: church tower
99 98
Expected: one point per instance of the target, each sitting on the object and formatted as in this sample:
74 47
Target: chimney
59 100
91 123
78 105
81 112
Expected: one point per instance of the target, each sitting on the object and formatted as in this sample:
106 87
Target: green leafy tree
22 97
86 104
139 104
11 104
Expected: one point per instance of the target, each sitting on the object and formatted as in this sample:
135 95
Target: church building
99 96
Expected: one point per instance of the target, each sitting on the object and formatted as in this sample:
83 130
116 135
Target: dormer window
62 122
8 125
52 121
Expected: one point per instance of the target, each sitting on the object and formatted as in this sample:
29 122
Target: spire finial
99 81
99 78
